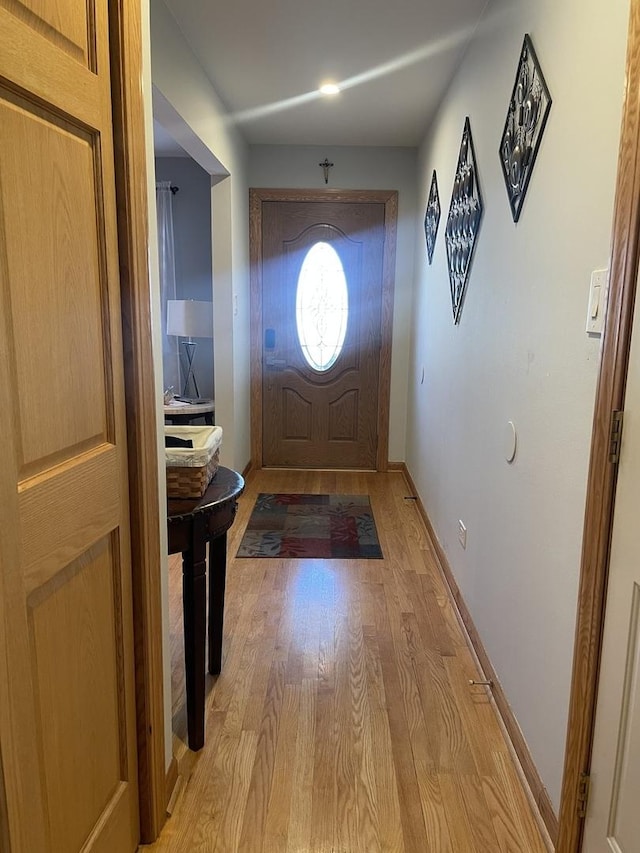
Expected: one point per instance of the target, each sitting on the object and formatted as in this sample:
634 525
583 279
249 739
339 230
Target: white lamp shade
188 318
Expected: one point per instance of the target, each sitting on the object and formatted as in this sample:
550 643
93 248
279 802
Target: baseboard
247 469
179 772
171 784
539 793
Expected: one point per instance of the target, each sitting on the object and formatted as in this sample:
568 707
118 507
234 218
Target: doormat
314 526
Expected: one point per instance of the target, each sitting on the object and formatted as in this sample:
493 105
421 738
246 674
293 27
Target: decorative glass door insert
322 307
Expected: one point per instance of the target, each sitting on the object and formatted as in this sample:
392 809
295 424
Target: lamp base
190 350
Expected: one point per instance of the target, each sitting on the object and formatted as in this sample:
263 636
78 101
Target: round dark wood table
191 524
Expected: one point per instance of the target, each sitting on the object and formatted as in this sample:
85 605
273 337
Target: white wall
520 351
174 81
291 166
199 123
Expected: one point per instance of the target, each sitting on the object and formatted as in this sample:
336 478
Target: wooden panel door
312 417
67 723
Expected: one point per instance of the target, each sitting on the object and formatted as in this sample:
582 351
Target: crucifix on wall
325 166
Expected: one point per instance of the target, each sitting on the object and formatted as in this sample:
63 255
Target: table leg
217 581
194 603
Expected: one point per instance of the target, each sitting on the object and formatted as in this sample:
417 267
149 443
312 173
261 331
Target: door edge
602 476
125 21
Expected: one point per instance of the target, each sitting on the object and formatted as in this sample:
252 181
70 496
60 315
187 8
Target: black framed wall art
463 221
523 128
432 216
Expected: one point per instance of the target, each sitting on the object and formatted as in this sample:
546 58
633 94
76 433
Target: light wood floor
343 720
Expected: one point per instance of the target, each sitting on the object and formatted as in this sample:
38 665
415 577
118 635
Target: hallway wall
520 351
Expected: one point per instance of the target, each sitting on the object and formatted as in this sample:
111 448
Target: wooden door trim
601 485
140 401
390 200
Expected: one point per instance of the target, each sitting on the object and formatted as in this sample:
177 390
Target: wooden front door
323 302
67 713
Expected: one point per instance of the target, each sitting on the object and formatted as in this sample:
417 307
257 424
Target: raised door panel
57 285
66 23
76 639
296 416
343 417
87 503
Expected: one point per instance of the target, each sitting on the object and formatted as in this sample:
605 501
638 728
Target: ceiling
266 60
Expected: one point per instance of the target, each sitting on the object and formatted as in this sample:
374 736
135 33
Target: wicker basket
191 482
196 466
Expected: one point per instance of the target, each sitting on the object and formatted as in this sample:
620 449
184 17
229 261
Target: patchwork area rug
315 526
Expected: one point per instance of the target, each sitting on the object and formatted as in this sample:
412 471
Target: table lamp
188 318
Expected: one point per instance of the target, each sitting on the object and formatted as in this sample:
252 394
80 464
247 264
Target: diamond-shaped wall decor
463 222
523 128
432 216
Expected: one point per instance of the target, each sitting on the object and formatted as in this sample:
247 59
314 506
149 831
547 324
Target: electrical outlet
462 533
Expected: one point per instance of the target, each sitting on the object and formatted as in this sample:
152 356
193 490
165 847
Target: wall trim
125 25
390 200
512 729
171 784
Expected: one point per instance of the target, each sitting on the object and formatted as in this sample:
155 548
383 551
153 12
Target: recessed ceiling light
329 89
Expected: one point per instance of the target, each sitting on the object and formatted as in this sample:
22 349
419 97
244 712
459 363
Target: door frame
601 484
141 406
390 200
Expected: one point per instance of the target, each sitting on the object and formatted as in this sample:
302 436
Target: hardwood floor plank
515 805
324 811
401 744
238 774
279 809
343 720
434 810
347 706
475 806
365 781
506 829
387 796
259 789
300 812
457 818
471 701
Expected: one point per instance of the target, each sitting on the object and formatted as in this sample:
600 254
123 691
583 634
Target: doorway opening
202 210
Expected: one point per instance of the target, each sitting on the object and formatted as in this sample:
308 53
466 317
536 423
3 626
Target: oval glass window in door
322 306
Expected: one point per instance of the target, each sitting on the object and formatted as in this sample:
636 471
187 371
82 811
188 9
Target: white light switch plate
597 302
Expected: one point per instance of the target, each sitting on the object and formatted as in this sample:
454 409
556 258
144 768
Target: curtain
166 251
